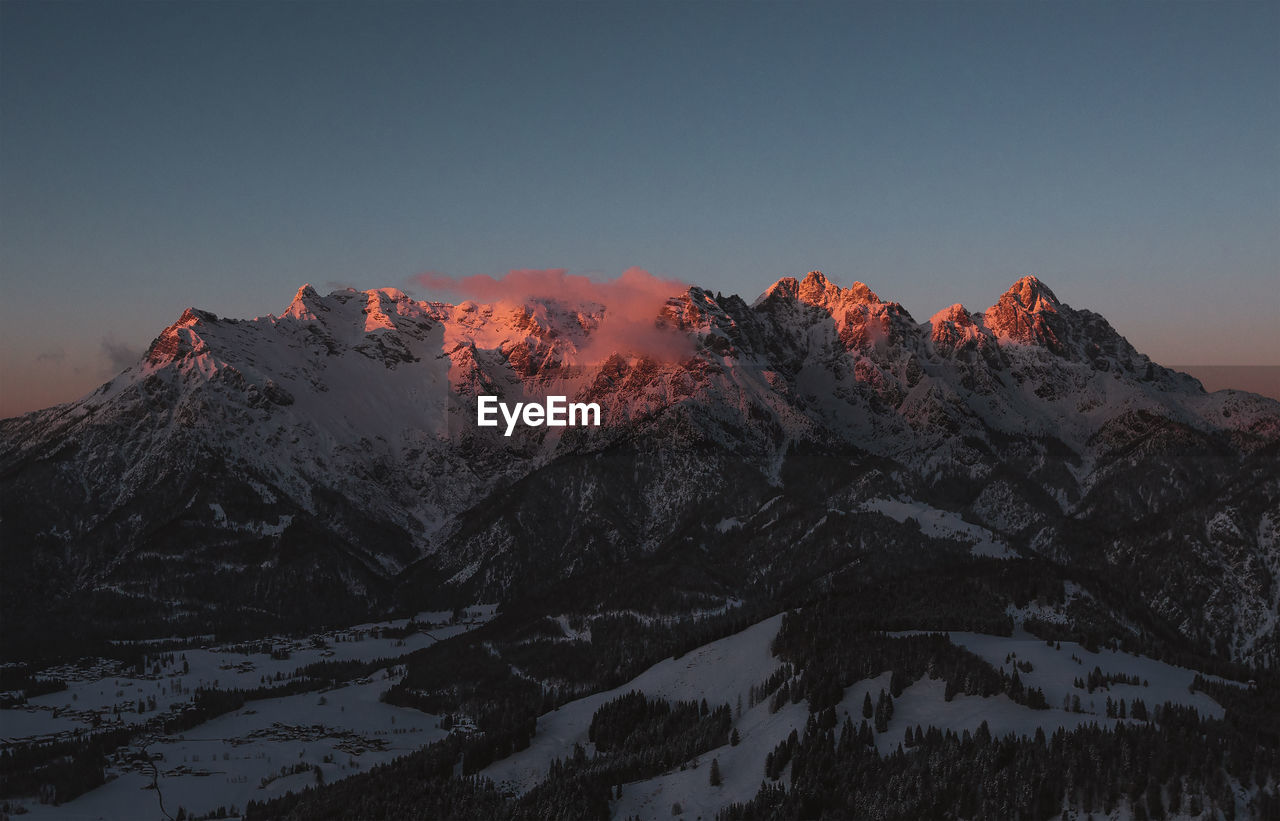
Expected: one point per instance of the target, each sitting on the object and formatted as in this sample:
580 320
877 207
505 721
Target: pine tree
882 712
715 772
866 705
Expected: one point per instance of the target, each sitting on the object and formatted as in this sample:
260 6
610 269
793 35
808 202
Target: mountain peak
176 341
1031 294
784 287
862 293
1030 313
956 314
305 303
816 289
815 279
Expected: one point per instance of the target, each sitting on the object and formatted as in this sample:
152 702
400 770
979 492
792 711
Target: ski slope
724 670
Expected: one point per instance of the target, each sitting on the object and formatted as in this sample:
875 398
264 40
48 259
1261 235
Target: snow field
942 524
343 731
223 762
722 671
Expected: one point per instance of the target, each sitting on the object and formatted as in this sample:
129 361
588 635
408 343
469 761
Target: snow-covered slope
723 672
324 462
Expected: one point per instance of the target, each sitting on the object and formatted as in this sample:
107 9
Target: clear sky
160 155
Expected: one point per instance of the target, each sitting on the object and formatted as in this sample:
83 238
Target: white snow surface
942 524
223 762
1054 671
719 672
723 670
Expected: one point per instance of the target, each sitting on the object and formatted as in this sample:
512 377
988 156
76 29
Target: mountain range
323 466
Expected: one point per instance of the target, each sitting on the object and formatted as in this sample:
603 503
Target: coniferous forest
1164 760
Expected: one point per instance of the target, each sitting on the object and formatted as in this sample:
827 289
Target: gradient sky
160 155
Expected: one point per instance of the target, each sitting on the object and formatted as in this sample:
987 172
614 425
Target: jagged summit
1030 313
815 289
305 303
1031 294
548 331
956 313
953 328
1026 296
863 293
784 287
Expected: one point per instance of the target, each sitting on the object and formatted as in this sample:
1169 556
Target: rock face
325 464
1029 313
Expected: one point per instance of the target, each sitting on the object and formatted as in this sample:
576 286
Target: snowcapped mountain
325 463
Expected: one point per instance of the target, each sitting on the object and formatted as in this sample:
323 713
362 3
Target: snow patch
725 525
941 524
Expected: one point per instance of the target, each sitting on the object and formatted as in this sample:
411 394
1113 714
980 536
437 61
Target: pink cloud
632 303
